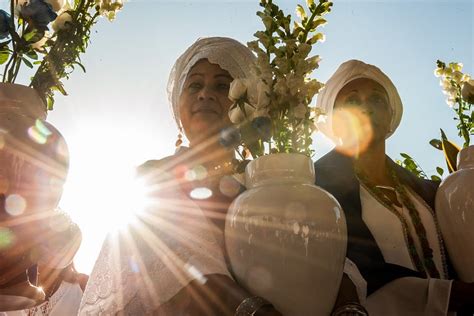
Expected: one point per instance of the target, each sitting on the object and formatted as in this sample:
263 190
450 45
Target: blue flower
263 125
229 137
38 13
5 21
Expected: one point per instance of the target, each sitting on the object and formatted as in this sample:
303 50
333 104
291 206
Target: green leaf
436 143
317 23
27 62
50 103
81 65
4 57
406 156
300 12
32 54
28 36
310 3
315 38
59 87
439 170
435 178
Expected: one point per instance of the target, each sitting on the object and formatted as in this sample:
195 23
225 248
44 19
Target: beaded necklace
427 263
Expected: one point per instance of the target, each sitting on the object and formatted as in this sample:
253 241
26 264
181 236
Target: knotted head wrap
228 53
347 72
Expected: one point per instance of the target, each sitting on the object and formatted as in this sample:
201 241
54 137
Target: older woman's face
204 101
362 112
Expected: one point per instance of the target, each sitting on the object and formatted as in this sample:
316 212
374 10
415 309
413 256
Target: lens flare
200 193
195 174
353 128
15 204
6 238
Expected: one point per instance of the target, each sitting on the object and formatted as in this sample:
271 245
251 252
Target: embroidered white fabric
168 247
228 53
404 296
65 301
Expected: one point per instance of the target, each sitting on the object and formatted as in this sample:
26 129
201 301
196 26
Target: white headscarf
228 53
347 72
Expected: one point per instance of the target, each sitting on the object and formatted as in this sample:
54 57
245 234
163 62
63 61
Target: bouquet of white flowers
272 111
459 90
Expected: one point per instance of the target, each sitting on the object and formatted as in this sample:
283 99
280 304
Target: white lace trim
139 270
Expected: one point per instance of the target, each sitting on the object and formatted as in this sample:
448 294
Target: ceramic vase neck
466 158
22 100
279 169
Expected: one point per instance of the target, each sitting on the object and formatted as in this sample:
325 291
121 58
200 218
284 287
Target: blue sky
117 114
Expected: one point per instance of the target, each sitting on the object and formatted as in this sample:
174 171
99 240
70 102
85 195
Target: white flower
237 116
456 66
300 111
56 4
109 8
238 89
260 113
451 101
439 72
61 21
314 61
39 44
295 83
281 87
457 76
263 91
467 91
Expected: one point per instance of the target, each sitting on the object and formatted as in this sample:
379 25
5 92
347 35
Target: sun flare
102 193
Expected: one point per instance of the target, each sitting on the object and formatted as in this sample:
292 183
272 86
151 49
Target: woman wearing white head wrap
173 263
393 237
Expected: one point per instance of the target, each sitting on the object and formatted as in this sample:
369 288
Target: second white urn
286 238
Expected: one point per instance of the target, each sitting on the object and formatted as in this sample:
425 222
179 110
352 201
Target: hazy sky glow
116 115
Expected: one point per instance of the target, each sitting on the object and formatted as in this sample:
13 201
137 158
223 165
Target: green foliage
54 55
411 165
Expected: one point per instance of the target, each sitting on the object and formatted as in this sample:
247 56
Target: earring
179 141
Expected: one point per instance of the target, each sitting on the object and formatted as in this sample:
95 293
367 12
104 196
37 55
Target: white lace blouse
142 268
64 302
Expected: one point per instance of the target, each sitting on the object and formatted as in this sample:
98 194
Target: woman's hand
347 302
220 295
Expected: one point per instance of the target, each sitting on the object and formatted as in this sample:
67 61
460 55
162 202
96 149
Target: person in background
400 265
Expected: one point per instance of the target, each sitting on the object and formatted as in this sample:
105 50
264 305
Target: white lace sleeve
137 271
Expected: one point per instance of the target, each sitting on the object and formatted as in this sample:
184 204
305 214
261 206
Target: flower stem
463 130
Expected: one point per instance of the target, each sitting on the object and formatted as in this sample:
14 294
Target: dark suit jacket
335 173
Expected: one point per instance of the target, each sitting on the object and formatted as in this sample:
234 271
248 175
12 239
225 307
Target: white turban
347 72
228 53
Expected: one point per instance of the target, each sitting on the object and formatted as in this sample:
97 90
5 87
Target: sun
102 193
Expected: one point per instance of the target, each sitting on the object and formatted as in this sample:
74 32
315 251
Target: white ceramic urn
455 211
286 238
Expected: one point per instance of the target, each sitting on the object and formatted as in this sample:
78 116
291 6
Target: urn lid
278 168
